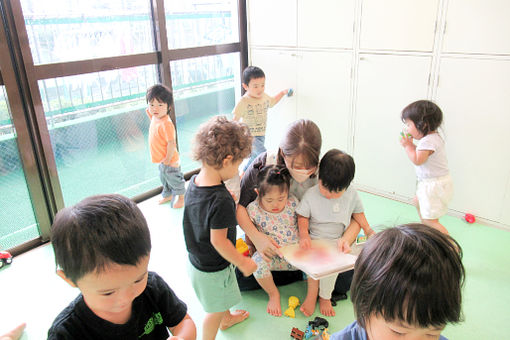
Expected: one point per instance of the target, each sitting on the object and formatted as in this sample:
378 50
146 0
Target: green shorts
216 291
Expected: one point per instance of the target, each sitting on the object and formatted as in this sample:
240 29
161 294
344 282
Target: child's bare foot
308 306
273 305
233 318
165 200
325 307
180 202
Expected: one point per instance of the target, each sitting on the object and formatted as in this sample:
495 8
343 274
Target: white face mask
299 175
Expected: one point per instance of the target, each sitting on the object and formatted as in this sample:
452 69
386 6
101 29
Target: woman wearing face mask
299 151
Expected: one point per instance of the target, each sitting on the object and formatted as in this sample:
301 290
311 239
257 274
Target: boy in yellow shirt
253 106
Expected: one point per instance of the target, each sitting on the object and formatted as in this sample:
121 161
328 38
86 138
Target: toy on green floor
319 322
310 333
242 247
324 334
469 218
290 93
296 334
293 303
5 258
317 329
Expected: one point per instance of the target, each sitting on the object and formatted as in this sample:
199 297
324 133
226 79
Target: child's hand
343 245
175 338
248 266
305 242
405 139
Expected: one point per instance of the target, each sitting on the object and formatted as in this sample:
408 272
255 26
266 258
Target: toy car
5 258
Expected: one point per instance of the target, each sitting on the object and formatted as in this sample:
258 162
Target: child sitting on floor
274 214
325 212
102 246
407 285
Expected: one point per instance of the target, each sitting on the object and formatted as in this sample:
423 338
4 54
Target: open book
321 260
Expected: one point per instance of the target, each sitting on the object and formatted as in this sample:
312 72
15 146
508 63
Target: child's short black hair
273 175
425 115
98 231
252 72
411 273
161 93
336 170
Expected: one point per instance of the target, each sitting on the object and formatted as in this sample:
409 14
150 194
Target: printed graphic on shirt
155 319
256 116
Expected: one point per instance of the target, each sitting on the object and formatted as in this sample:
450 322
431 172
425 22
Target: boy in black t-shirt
102 246
210 223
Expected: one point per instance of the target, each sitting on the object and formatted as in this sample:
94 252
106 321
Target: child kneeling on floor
407 284
102 246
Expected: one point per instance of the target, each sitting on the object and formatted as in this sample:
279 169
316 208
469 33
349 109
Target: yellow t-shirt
253 112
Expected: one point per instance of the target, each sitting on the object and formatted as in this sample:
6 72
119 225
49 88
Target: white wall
354 64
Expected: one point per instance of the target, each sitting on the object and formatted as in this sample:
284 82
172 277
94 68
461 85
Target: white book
321 260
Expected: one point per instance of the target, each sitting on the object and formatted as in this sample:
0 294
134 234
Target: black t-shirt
153 311
207 208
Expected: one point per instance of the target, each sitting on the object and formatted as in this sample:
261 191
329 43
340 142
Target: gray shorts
216 291
172 180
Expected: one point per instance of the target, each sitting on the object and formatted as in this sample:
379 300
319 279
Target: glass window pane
99 129
201 23
203 87
17 220
69 30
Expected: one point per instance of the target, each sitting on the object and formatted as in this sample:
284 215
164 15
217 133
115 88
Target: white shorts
433 195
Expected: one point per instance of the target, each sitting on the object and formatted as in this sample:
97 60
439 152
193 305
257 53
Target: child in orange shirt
162 144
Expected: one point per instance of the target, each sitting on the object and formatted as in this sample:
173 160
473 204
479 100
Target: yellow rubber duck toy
293 303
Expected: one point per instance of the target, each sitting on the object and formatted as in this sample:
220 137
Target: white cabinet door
324 95
326 23
272 23
386 84
280 69
477 26
407 25
474 97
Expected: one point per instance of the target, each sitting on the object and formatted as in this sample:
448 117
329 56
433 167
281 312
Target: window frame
20 77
